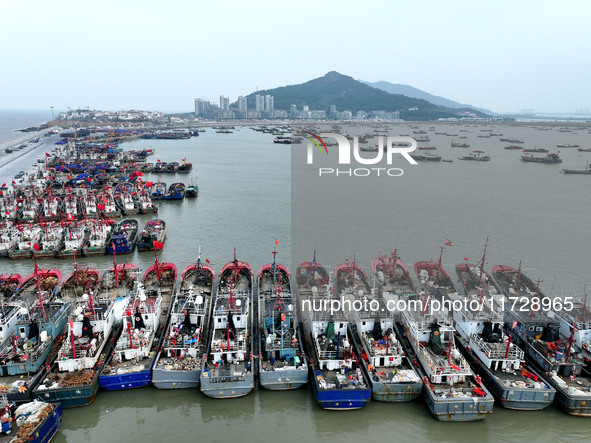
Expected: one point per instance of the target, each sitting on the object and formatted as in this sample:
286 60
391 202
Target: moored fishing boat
9 283
228 367
176 191
8 238
124 237
577 322
537 330
73 378
75 235
50 208
25 237
31 422
80 281
117 281
152 236
451 391
282 361
130 364
144 201
126 203
106 204
46 280
337 379
492 354
159 190
180 359
50 241
99 236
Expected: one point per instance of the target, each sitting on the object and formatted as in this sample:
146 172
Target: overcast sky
160 55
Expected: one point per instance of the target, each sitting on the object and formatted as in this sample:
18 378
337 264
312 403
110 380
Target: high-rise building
269 103
242 104
202 107
224 103
259 102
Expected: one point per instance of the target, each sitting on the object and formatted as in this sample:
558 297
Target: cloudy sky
159 55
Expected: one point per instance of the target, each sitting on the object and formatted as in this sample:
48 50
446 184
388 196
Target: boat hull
167 379
226 389
339 399
48 426
574 405
71 397
283 380
523 399
458 409
125 381
89 252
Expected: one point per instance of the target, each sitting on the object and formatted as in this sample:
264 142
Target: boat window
238 318
539 329
22 330
0 328
532 328
219 320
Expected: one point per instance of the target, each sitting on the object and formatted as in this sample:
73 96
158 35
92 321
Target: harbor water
253 192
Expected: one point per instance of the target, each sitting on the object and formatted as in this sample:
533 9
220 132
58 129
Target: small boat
568 145
176 191
475 156
32 422
179 362
337 379
130 363
538 332
282 362
550 158
185 168
73 378
192 190
152 236
159 191
536 150
587 170
99 236
514 147
228 367
124 237
459 144
511 140
584 149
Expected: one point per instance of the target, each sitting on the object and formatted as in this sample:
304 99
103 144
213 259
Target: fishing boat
431 274
9 283
392 275
536 150
538 332
185 168
99 236
549 158
36 330
124 237
228 367
452 391
144 202
106 204
29 210
384 363
81 281
46 280
492 353
70 207
130 363
337 379
126 203
176 191
88 205
192 190
152 236
73 378
25 237
475 156
459 144
161 276
9 210
282 361
118 281
50 208
75 235
50 241
31 422
180 359
8 238
587 170
159 191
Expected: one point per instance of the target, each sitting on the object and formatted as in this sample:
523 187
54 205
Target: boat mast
115 266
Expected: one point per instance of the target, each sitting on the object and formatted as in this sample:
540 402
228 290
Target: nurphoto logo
394 145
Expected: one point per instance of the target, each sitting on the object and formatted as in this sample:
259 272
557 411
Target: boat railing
441 365
515 352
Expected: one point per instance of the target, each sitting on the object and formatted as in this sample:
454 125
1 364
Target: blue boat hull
339 399
125 381
49 426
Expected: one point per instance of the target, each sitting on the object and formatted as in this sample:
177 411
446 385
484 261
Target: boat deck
345 380
57 380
